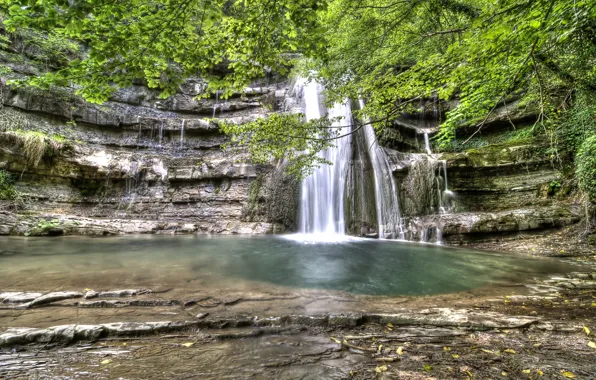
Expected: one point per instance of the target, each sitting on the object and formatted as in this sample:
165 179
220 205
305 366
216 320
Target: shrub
7 189
586 167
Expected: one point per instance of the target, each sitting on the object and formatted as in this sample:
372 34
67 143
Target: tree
229 43
391 52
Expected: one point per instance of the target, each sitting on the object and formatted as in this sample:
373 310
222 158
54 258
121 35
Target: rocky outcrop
504 184
139 164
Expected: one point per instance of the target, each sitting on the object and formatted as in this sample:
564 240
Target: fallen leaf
428 367
469 374
592 344
107 361
189 344
587 330
446 348
567 374
399 351
526 371
539 372
487 351
455 356
503 373
381 368
335 340
390 325
124 344
510 351
380 348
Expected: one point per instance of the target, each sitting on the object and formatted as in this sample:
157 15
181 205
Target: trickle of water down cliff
357 194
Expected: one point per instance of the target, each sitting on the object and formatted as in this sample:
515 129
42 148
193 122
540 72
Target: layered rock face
142 164
500 184
139 164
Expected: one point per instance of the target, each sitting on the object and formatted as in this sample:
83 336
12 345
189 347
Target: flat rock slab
438 317
455 317
117 293
18 297
49 298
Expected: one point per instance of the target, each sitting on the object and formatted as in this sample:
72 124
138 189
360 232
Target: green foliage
166 41
574 125
42 227
284 136
553 187
586 167
7 188
481 52
391 53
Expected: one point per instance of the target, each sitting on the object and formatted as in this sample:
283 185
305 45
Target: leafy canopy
229 43
480 53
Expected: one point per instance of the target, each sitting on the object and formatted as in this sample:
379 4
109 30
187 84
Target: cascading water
427 144
182 134
160 132
322 193
386 201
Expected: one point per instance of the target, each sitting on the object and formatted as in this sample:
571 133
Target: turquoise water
359 266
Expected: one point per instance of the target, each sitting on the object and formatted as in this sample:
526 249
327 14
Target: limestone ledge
18 224
459 227
463 318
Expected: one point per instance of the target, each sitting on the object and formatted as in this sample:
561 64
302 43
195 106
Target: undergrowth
586 167
7 188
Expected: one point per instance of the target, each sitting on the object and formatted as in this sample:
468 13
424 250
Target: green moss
253 196
586 167
508 138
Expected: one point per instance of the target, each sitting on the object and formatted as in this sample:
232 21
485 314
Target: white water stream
322 193
322 214
386 201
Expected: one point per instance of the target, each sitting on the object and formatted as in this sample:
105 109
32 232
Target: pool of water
360 266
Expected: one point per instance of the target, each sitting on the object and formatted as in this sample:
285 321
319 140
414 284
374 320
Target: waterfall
386 201
182 134
160 132
321 211
216 102
427 144
322 202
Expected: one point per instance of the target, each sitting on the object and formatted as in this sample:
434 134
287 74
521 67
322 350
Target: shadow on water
360 266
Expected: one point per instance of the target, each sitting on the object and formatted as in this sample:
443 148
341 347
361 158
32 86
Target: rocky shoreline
543 327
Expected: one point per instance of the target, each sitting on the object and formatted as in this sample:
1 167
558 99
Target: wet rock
124 292
91 294
102 303
454 317
49 298
62 334
18 297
